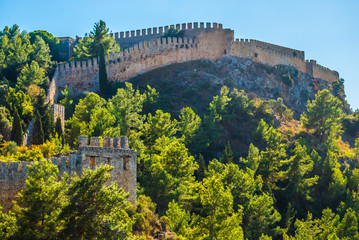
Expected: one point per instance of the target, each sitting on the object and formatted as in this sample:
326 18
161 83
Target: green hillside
226 149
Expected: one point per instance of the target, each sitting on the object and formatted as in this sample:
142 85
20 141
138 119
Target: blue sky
328 31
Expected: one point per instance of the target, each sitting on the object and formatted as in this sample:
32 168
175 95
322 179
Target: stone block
124 142
95 142
117 142
107 142
83 141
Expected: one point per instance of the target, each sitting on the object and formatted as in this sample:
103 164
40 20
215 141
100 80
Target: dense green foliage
16 133
49 39
25 67
90 46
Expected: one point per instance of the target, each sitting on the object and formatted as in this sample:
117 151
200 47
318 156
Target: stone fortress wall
114 152
198 42
144 51
271 54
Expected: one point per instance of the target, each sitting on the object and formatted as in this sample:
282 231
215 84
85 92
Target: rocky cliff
194 83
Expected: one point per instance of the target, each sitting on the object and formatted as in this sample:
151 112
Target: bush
287 80
229 83
173 32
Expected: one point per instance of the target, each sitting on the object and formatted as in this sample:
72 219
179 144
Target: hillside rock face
267 82
256 79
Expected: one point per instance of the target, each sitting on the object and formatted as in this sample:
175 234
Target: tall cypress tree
17 132
201 171
58 130
227 156
38 132
102 69
47 119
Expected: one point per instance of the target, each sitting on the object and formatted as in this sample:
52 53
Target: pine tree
227 156
38 132
324 114
348 228
38 204
300 185
16 133
201 171
47 119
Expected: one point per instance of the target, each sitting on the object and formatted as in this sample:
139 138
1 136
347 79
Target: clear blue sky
327 30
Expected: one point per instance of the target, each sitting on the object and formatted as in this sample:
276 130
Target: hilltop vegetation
214 161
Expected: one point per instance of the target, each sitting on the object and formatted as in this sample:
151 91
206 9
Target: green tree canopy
49 39
323 114
32 74
90 45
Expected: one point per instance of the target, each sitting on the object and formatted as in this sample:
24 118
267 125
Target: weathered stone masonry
145 51
114 152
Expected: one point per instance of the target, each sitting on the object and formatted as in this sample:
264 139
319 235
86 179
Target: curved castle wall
271 54
145 51
199 42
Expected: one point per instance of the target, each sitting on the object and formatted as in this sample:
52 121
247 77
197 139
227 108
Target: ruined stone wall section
12 180
52 92
115 152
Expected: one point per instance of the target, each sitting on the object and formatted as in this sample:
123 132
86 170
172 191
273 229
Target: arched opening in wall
255 55
294 54
92 161
225 51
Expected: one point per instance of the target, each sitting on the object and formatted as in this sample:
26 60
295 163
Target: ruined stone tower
114 152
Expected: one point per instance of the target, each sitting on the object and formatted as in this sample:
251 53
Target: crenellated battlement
13 168
129 38
144 50
111 151
271 48
126 63
320 67
163 29
319 71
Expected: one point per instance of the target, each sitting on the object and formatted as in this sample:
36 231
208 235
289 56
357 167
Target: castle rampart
130 38
319 71
115 152
268 53
145 50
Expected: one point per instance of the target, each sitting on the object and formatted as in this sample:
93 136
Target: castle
114 152
145 50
